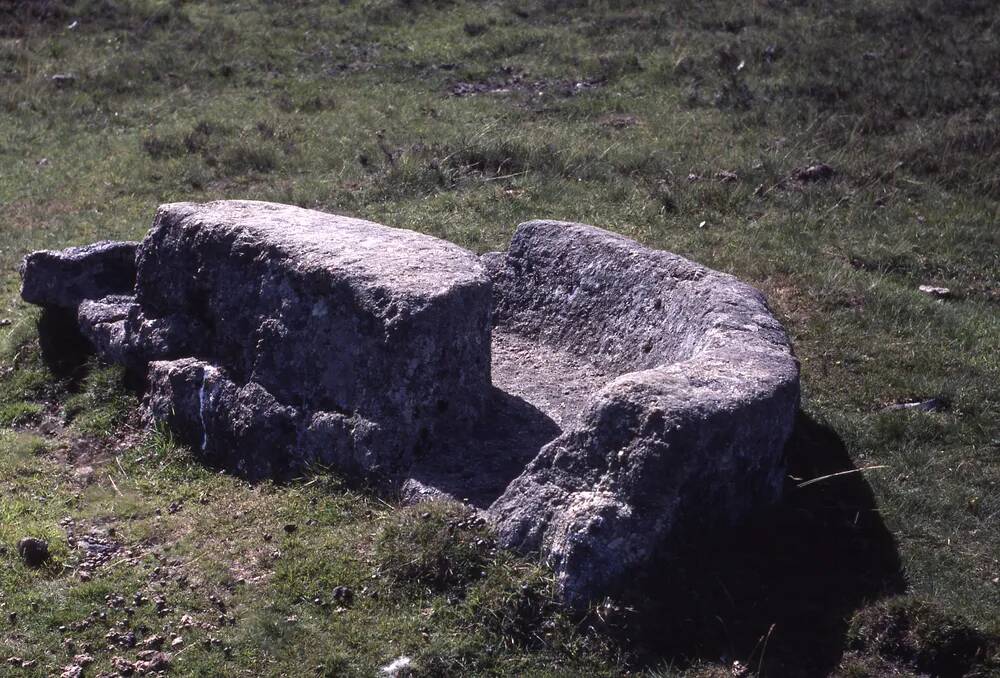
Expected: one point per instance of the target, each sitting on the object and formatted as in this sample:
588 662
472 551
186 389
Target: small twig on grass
841 473
763 652
118 460
506 176
115 485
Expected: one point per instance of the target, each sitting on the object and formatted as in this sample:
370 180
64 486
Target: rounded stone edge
599 502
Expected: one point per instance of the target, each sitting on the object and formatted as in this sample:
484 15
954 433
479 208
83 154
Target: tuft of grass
103 402
434 546
19 413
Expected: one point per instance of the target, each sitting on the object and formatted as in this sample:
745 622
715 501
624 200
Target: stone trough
595 399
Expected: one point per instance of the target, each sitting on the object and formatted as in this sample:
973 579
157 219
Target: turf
686 125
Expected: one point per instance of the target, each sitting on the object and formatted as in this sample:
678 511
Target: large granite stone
698 392
327 314
597 400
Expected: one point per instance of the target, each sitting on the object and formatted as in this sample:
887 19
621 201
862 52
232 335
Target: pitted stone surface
63 279
236 426
698 394
121 333
596 399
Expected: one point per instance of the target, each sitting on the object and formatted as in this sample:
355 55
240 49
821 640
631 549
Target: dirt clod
34 552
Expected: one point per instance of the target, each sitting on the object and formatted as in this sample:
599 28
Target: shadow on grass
64 349
777 593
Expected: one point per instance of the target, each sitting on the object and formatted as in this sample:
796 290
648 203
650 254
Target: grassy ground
684 125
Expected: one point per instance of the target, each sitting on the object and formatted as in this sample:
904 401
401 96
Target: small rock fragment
936 292
63 79
818 172
153 642
83 660
397 667
929 405
123 666
151 662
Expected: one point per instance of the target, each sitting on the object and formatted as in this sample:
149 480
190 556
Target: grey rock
65 278
102 322
929 405
689 393
121 333
936 292
812 173
371 336
242 427
63 79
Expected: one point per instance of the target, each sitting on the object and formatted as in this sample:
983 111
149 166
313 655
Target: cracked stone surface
597 400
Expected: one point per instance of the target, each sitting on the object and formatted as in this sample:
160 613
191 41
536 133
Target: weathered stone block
598 400
328 313
121 333
241 427
65 278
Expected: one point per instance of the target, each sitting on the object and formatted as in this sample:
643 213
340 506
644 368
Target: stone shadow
476 466
65 351
776 593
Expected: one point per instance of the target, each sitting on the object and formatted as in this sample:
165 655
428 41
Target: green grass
679 124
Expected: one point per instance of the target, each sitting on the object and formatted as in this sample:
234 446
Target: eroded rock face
597 400
382 331
120 332
278 336
689 430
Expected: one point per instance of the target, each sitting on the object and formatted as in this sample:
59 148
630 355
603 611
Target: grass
679 124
